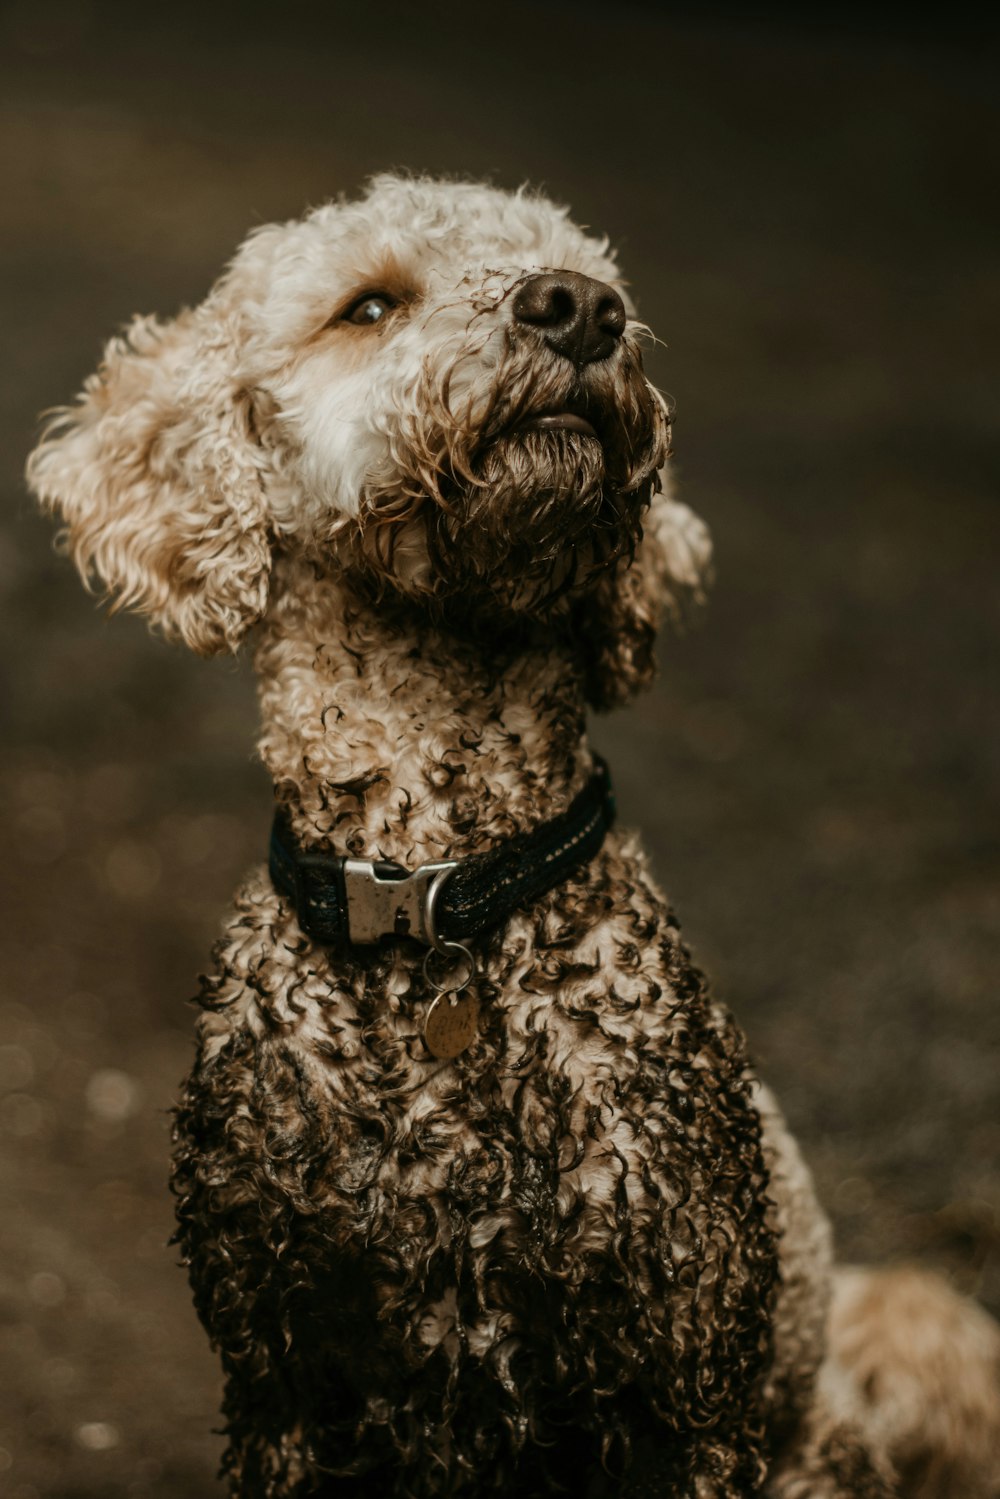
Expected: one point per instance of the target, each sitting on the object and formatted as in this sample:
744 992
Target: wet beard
542 517
492 518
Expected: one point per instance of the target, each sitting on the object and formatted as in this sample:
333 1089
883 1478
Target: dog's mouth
537 490
558 421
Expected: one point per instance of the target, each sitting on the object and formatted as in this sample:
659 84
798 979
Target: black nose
579 317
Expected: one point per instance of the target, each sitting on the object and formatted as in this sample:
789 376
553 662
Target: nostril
544 303
562 307
610 315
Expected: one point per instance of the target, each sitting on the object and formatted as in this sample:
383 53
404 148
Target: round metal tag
451 1024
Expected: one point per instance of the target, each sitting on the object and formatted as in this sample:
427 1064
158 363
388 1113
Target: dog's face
438 387
449 382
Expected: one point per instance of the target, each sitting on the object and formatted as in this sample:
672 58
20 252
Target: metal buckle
403 905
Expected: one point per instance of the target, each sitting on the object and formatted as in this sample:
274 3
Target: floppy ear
158 477
618 623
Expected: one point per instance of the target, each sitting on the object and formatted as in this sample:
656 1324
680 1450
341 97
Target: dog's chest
563 1232
588 1171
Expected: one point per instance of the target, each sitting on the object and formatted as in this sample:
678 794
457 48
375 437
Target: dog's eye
369 309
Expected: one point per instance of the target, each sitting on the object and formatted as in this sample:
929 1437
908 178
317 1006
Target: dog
476 1189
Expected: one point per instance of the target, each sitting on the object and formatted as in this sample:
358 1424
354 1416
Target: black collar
340 900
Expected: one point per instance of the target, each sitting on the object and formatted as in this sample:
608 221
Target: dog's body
583 1256
512 1245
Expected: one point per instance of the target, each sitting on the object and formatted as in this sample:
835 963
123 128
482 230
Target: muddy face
471 418
530 497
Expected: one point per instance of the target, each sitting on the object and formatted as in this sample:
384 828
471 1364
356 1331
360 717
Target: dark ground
810 219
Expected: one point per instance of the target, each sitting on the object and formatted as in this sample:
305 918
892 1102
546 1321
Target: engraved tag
451 1024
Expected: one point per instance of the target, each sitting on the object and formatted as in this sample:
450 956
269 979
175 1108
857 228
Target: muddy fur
585 1257
537 1258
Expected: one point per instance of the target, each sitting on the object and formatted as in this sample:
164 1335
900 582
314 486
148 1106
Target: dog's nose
578 317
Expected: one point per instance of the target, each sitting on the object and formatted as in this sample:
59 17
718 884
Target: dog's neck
386 740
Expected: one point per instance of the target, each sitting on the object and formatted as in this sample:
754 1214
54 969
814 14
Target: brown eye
369 309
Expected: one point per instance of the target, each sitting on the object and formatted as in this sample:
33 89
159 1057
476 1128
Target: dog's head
437 389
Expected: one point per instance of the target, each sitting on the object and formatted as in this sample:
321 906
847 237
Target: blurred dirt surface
808 220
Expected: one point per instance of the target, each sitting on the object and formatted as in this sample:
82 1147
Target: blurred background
808 214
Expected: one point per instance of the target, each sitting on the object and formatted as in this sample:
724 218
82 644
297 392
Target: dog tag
451 1024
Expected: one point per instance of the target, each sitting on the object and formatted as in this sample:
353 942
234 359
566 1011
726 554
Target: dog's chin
529 528
542 486
529 521
534 524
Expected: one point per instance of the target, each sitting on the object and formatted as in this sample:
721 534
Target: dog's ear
617 624
157 474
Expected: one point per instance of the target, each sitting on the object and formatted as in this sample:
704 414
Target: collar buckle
385 900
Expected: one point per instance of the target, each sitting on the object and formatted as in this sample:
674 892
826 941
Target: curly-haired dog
542 1233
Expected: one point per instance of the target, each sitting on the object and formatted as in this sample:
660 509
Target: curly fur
585 1256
